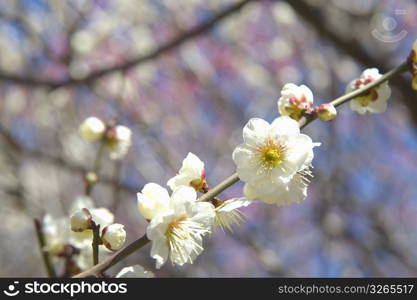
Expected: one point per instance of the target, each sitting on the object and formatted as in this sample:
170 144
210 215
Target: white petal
243 155
356 106
307 93
283 126
235 203
181 195
255 131
136 271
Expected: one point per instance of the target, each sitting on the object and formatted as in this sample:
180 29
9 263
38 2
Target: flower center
369 97
271 155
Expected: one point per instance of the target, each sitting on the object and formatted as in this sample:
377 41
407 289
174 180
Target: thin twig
96 243
45 255
89 185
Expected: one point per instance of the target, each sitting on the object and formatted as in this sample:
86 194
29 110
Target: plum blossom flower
119 140
135 271
228 213
178 233
92 129
271 153
153 200
191 174
373 101
294 100
294 191
113 236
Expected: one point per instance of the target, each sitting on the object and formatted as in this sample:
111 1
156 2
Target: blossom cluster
178 222
116 138
74 246
274 161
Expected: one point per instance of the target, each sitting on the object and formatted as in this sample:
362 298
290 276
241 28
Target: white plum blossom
373 101
228 213
294 191
153 200
191 174
119 141
294 100
113 236
135 271
271 153
178 233
92 129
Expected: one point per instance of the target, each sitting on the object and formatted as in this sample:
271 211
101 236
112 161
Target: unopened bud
81 220
113 236
326 112
91 178
92 129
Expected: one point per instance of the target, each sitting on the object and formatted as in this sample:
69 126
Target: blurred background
186 76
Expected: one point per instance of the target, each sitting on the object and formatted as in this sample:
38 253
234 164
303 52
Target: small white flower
191 174
178 233
153 200
92 129
294 191
136 271
228 213
81 220
113 236
271 153
375 100
119 141
294 100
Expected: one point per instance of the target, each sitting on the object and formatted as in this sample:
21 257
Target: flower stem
45 255
96 167
96 242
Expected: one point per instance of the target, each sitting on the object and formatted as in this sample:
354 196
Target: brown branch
168 46
45 255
